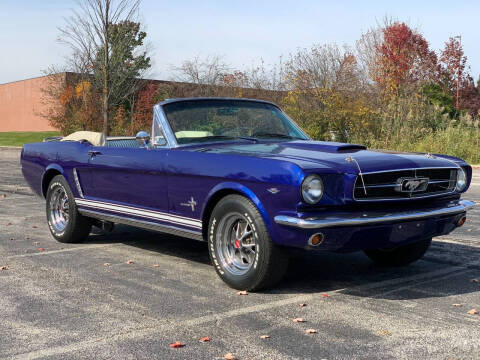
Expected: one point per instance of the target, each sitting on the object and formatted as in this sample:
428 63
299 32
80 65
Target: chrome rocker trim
148 225
454 207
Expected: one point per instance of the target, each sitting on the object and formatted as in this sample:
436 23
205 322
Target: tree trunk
105 111
106 64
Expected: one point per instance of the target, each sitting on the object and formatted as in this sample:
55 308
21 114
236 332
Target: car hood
339 157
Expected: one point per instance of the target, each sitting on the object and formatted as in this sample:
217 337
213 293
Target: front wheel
64 221
399 256
240 247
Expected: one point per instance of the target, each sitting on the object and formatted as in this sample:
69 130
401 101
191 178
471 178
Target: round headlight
461 180
312 189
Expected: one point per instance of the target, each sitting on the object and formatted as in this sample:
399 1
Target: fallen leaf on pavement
303 305
299 320
325 295
384 333
243 292
456 304
229 356
40 249
176 344
3 268
472 312
311 331
265 337
205 339
130 262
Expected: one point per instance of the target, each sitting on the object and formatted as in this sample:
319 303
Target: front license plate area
412 230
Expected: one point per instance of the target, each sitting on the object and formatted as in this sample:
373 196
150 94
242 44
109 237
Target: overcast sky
240 31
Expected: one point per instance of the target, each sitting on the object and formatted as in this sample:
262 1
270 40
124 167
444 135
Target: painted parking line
164 325
77 248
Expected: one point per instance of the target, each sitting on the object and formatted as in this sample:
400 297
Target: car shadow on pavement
322 272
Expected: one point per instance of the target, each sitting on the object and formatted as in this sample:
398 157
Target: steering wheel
238 131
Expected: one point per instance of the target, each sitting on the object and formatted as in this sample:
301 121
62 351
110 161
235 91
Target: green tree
127 64
437 96
107 43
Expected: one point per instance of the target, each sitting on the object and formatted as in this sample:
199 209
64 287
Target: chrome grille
388 185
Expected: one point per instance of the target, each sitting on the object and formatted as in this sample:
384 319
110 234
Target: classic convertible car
241 175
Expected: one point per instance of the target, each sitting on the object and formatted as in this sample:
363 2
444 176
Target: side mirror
143 139
160 141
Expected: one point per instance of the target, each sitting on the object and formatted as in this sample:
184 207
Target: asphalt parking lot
130 293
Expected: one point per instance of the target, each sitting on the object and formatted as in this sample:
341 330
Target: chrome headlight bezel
461 180
312 189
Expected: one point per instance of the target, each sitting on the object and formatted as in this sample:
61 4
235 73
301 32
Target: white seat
192 134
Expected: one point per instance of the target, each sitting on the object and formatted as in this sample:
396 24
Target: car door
132 177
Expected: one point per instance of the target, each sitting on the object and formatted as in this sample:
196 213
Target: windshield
220 120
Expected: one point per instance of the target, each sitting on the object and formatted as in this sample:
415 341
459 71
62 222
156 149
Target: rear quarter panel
34 159
38 158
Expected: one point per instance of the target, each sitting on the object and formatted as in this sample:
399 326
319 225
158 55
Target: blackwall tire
400 256
64 221
240 247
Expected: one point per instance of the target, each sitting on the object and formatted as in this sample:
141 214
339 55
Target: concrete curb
10 147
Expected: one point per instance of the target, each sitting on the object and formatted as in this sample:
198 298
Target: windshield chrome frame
161 119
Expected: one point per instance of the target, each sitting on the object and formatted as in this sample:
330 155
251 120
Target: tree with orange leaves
403 58
143 115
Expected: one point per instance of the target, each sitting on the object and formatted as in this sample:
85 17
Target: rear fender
50 171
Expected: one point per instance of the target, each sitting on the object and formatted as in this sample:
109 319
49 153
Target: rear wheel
64 221
399 256
240 247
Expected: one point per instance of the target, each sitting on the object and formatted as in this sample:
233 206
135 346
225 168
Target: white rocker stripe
140 212
140 209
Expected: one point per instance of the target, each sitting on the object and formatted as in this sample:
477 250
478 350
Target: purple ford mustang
242 176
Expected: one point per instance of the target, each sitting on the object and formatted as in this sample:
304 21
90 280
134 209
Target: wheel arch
51 171
225 189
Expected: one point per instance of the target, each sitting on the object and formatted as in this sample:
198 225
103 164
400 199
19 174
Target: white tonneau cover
94 138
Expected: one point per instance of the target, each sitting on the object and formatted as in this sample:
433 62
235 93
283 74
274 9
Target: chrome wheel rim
59 209
236 244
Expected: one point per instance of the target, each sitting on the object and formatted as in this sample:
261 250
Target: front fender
237 188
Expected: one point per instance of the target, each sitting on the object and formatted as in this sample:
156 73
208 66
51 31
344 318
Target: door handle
94 153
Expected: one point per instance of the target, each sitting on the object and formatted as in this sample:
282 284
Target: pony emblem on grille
412 185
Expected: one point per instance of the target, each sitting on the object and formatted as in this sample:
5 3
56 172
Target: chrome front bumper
373 218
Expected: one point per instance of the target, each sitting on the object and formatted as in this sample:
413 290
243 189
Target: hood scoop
327 146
